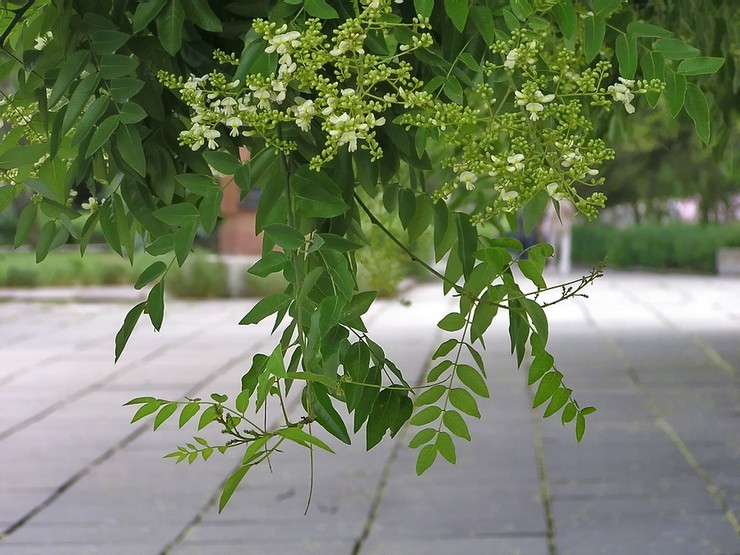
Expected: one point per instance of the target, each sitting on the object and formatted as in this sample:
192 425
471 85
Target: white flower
511 58
91 204
552 190
521 98
263 97
570 158
227 106
235 123
515 163
211 135
349 138
43 41
304 110
544 98
509 196
283 42
534 108
338 120
468 179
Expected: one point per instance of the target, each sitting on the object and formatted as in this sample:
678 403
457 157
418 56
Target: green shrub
675 246
199 278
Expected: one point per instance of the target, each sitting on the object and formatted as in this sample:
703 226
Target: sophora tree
459 115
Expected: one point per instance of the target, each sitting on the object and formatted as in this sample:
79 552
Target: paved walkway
658 472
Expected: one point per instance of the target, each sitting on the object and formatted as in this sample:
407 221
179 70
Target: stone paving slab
658 472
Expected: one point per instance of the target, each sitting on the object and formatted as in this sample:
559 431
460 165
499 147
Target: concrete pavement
657 473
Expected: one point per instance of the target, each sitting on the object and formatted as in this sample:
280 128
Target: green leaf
540 365
559 398
445 348
605 7
230 486
640 29
273 261
484 23
534 211
202 15
102 134
152 272
116 65
78 100
316 195
425 459
188 411
301 437
107 41
567 18
242 400
438 370
170 25
510 20
549 384
129 145
456 424
424 7
26 219
46 236
209 210
71 70
580 427
522 8
326 414
320 9
285 236
698 110
145 13
446 447
155 305
569 413
430 396
473 380
22 155
675 92
424 436
452 322
626 48
457 11
89 118
129 322
223 162
674 49
595 31
462 400
124 88
208 416
701 65
538 317
182 214
385 410
425 416
146 409
269 305
202 185
164 413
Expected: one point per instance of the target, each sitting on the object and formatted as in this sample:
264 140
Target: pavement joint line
663 424
95 386
706 349
552 547
115 449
